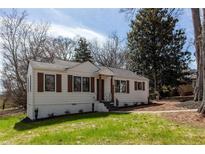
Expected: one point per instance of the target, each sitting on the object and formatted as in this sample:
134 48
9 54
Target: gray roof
57 65
126 73
61 65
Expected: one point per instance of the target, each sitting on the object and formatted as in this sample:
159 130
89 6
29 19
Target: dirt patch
8 105
179 98
164 105
189 104
11 111
155 106
191 118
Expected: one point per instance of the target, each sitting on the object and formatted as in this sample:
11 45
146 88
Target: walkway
157 112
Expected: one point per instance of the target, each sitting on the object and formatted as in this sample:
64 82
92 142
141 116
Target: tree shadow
27 124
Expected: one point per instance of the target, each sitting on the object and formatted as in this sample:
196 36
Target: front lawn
99 128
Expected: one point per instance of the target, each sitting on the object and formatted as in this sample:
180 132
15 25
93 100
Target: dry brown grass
9 104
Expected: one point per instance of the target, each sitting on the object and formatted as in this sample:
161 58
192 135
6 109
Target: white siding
30 90
133 96
59 103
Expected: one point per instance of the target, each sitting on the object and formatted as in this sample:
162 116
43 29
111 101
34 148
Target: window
120 86
117 86
123 86
77 83
139 85
49 82
86 84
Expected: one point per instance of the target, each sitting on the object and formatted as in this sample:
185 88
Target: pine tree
155 47
82 51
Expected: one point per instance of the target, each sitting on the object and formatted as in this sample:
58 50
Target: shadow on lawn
27 124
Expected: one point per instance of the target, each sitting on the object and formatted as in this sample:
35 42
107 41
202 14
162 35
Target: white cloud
72 32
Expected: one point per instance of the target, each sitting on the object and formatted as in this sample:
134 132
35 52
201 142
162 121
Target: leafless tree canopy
63 48
111 53
21 41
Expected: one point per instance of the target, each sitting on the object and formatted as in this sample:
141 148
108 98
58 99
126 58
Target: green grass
98 128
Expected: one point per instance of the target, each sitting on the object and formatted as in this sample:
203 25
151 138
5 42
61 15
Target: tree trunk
155 82
202 106
156 90
198 91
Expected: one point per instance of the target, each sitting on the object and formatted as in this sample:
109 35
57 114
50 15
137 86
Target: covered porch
105 85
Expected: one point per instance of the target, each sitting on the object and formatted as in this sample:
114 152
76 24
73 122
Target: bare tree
64 48
111 54
21 41
129 12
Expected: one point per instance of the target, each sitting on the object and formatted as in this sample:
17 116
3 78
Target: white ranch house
65 87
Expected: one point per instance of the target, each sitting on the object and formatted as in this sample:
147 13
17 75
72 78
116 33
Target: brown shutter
128 86
70 83
92 84
58 83
40 82
136 85
143 85
112 88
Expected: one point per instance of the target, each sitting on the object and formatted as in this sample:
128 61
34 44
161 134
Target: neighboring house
187 87
65 87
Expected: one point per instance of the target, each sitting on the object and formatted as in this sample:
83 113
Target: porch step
109 105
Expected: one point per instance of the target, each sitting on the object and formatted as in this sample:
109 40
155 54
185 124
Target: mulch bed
191 118
155 106
189 104
175 103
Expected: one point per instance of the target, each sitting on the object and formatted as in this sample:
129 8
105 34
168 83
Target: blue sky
94 23
101 21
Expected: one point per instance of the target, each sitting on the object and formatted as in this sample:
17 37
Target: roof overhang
105 71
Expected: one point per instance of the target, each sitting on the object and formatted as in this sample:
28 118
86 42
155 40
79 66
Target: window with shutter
117 86
123 86
77 83
86 84
50 82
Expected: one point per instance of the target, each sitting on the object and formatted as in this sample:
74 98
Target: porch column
100 88
112 89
